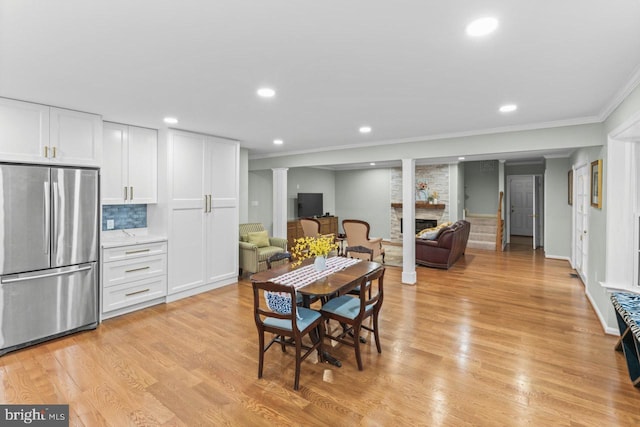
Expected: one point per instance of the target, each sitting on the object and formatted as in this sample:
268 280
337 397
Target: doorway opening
524 216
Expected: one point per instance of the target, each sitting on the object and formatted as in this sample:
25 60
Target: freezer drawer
46 303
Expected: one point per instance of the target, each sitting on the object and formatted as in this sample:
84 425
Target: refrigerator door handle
47 215
55 210
41 276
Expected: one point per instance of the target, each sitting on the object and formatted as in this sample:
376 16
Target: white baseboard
607 329
563 258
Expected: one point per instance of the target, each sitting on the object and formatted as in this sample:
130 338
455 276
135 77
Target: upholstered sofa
443 247
256 247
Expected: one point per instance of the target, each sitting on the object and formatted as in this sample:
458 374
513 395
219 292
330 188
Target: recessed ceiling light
266 92
508 108
460 158
372 164
278 141
482 27
170 120
365 129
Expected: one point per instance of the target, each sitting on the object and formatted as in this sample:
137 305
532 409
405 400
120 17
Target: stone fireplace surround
437 179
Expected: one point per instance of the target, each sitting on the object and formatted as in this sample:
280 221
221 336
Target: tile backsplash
124 216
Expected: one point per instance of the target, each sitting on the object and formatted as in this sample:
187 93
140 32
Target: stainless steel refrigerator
48 253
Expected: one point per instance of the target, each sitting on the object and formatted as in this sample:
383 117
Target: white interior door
581 223
521 200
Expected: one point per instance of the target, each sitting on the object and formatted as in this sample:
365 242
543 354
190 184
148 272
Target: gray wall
310 180
537 168
557 214
260 209
365 194
481 187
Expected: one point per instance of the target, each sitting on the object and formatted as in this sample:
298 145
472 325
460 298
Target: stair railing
499 224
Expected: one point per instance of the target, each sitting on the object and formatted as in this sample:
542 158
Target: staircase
483 231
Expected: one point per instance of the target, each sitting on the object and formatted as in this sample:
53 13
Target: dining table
341 275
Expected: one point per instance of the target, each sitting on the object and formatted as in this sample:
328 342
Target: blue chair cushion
306 316
344 306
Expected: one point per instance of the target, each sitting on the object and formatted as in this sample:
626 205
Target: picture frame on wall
596 184
570 187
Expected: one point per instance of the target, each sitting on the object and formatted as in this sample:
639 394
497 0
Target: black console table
627 307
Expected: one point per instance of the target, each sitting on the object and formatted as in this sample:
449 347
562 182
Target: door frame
574 215
507 215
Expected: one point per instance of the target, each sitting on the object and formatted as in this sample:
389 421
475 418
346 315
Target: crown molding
622 94
519 128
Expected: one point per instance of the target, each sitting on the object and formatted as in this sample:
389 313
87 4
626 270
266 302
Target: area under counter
134 274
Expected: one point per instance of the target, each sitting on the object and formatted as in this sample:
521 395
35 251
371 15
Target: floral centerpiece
307 247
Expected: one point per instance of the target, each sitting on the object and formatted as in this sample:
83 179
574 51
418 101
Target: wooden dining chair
358 252
278 256
351 312
292 322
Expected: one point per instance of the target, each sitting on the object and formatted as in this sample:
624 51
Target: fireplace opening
421 224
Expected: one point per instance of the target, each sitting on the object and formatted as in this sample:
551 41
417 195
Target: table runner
308 274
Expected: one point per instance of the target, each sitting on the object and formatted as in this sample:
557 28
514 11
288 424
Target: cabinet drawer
127 294
118 272
133 251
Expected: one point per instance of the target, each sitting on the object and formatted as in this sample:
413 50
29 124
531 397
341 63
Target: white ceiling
404 67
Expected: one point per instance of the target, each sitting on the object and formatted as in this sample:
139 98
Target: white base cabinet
35 133
130 164
133 277
202 174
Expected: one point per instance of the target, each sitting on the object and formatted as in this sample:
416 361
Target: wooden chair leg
261 355
375 332
296 382
356 344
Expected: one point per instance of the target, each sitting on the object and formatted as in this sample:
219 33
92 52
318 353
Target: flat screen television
309 204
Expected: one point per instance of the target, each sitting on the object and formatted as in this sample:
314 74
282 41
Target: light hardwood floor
504 339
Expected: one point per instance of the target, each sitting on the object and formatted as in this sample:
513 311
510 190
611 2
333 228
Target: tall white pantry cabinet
201 211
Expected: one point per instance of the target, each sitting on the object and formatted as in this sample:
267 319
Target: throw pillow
430 235
259 238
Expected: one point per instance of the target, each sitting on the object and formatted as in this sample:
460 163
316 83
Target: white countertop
115 238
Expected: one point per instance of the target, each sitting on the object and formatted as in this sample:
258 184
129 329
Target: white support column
280 202
408 222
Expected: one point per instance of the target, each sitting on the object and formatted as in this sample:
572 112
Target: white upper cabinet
75 138
37 133
24 131
130 165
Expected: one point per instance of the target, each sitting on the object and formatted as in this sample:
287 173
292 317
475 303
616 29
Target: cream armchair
256 247
357 234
